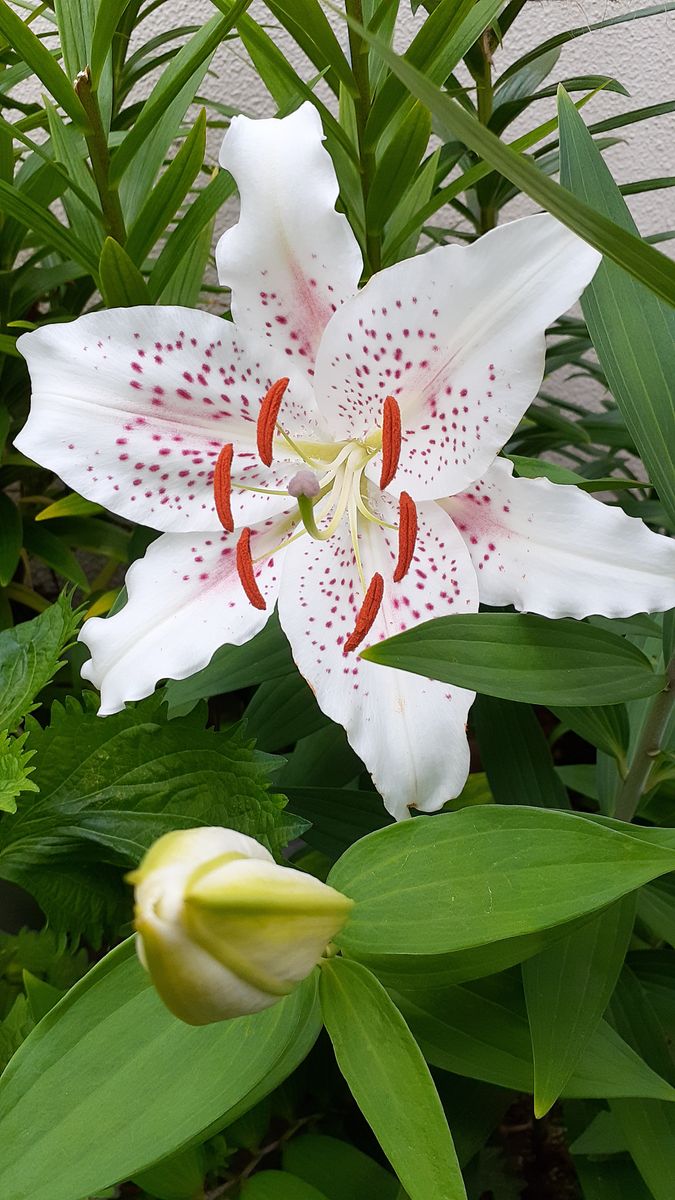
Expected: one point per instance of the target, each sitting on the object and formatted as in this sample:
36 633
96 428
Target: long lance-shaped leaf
641 260
39 59
185 64
39 219
632 330
107 20
199 214
169 193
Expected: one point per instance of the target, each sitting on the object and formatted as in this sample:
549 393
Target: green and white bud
223 930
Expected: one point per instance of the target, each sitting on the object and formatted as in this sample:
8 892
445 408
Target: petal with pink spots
132 406
551 549
185 599
409 731
456 336
292 260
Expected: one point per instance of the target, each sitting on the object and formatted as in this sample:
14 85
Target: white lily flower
222 929
333 451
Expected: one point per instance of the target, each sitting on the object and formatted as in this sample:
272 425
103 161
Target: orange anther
391 440
267 419
367 613
407 535
222 487
245 569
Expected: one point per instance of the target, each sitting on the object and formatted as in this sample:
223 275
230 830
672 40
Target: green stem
648 747
97 144
358 50
485 100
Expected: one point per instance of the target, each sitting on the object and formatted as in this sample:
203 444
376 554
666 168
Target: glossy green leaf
522 657
483 874
397 167
46 546
481 1030
282 711
604 726
110 1082
11 538
641 260
69 506
37 56
632 330
179 242
108 18
394 1090
567 989
32 215
307 23
122 284
279 1185
168 193
338 1168
515 754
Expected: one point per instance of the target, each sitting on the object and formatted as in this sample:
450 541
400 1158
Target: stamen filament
222 487
370 516
407 535
391 440
354 531
245 571
367 613
267 419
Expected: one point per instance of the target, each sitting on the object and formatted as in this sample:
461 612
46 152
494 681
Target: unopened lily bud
222 929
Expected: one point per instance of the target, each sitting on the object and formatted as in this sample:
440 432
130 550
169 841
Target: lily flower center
330 487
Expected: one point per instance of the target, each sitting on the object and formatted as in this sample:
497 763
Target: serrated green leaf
14 771
394 1091
108 789
82 1079
521 657
30 655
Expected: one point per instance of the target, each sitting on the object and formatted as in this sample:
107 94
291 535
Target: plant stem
648 746
484 100
358 50
97 144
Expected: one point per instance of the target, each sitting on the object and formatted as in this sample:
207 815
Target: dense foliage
496 1018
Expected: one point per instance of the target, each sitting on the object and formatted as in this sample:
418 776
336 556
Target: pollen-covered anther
391 440
267 420
407 535
246 572
367 613
222 487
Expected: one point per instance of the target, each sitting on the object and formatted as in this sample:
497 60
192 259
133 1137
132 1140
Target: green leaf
28 212
108 789
180 241
641 260
108 17
515 755
178 1177
48 547
11 538
30 655
190 60
339 816
69 506
394 1090
168 194
282 711
538 468
632 330
279 1185
35 54
397 167
605 726
309 26
481 1030
567 989
522 657
121 281
450 882
111 1076
610 1179
14 771
338 1169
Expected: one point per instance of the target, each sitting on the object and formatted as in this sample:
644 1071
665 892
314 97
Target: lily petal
409 731
552 549
131 407
456 336
292 260
185 600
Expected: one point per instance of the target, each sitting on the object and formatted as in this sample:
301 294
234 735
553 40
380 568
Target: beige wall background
640 54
